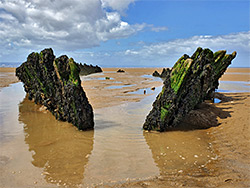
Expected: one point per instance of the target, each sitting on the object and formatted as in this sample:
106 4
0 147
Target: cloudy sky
124 33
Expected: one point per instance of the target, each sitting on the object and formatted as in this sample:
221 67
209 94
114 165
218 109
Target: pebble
146 183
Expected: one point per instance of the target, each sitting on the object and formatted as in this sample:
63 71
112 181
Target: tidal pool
38 150
234 86
119 86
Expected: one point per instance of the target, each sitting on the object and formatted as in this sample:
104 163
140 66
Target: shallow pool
36 149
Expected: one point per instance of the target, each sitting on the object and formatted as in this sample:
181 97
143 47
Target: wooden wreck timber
55 83
191 81
89 69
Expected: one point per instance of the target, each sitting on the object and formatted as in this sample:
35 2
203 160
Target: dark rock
202 117
89 69
55 83
120 70
163 74
156 74
191 81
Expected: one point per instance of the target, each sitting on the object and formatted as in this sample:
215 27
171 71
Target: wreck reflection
56 146
180 151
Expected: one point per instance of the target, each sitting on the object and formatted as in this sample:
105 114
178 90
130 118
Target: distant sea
10 64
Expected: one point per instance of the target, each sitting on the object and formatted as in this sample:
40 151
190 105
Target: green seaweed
196 54
179 74
165 110
161 93
164 113
74 72
32 77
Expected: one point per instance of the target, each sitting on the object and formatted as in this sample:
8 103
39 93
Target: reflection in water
179 151
56 146
115 151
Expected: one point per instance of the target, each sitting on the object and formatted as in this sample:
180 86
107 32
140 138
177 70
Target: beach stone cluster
191 81
55 83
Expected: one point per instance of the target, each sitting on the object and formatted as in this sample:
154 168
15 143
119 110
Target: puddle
10 98
154 78
141 91
119 86
110 72
233 86
216 100
91 77
54 153
147 76
117 82
241 73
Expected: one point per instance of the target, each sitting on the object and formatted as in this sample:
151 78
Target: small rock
43 109
120 70
228 180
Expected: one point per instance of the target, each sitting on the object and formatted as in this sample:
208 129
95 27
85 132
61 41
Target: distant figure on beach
144 91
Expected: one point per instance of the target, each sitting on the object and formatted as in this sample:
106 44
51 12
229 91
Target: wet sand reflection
179 151
56 146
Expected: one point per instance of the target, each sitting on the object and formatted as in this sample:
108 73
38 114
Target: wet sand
119 88
7 77
215 157
231 143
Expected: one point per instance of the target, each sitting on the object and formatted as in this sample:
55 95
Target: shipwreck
191 81
55 83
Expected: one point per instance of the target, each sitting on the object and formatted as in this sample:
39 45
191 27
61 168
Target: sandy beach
230 141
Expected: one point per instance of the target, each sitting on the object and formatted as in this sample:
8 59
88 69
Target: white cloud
63 24
119 5
158 29
165 54
239 41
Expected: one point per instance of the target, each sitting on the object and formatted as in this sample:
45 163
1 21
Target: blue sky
124 33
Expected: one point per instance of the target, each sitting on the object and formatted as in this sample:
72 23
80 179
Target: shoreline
230 140
7 77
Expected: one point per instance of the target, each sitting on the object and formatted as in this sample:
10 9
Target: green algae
74 72
179 73
164 113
